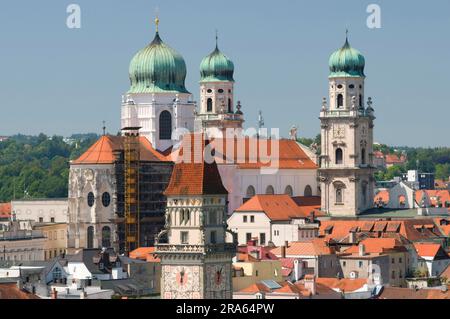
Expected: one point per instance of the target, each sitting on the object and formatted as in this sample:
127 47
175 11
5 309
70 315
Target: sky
61 81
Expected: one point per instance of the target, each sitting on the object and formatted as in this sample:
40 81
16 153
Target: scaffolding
131 178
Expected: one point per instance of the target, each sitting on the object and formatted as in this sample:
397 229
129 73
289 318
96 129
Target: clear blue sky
61 81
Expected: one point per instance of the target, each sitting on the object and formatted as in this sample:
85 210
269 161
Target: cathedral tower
346 161
197 260
217 111
158 100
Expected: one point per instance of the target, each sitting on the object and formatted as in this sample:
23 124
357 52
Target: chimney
352 237
312 216
362 249
54 294
310 284
283 251
298 269
286 243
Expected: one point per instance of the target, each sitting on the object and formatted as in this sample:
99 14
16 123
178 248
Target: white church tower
158 101
217 106
346 161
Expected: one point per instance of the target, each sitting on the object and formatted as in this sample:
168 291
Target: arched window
165 125
270 190
360 100
363 156
106 199
339 195
209 105
339 156
106 237
288 190
308 191
90 237
340 101
90 199
250 192
230 107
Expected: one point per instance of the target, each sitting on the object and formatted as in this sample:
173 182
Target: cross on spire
104 128
157 19
217 39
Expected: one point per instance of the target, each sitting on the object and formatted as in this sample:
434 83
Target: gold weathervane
157 24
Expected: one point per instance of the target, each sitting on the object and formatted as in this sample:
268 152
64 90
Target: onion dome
157 68
347 62
216 67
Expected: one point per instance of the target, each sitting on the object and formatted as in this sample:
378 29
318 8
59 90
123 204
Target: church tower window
308 191
250 191
340 101
209 105
230 107
363 156
339 156
288 190
339 195
90 237
165 125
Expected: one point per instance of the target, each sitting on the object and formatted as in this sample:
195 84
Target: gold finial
157 24
157 19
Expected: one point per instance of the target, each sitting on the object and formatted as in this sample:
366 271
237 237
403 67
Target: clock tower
197 260
346 161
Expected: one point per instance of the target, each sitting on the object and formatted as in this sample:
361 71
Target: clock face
183 277
217 275
338 131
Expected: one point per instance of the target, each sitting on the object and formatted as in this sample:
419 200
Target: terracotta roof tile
245 152
5 210
278 207
102 151
308 248
427 249
344 284
376 245
11 291
407 293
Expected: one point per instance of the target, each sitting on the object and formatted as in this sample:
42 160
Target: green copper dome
157 68
347 62
216 67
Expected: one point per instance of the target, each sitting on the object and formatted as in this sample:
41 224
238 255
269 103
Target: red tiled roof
427 249
11 291
102 151
382 196
408 293
246 152
445 228
395 159
5 210
344 284
376 245
144 253
433 195
195 178
278 207
307 248
255 288
412 229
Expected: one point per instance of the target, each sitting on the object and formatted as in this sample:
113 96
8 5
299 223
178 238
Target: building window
220 90
90 237
209 105
339 195
209 91
363 156
250 191
213 237
252 219
351 86
270 190
360 101
256 273
360 264
248 237
262 238
52 219
400 260
41 219
393 260
288 190
307 191
106 237
393 274
106 199
184 237
90 199
230 107
165 125
340 101
56 274
244 218
339 156
213 217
